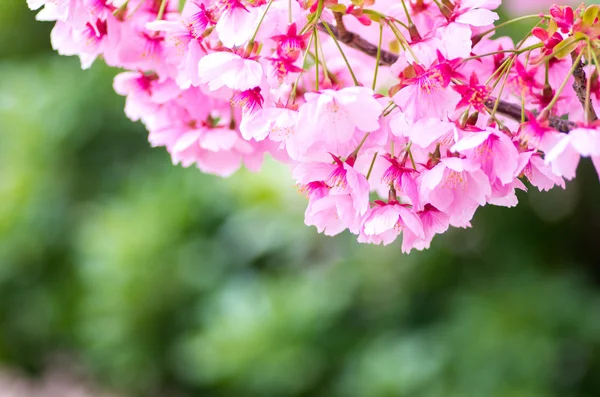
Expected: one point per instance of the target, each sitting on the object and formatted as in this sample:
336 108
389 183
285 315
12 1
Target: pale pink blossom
456 187
565 155
386 221
539 174
227 69
476 12
428 95
330 119
433 222
493 152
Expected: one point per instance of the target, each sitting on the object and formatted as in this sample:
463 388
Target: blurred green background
161 281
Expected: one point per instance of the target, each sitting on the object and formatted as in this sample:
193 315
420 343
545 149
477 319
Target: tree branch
579 86
358 43
505 108
514 112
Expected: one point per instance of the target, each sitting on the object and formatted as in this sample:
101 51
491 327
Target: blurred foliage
162 281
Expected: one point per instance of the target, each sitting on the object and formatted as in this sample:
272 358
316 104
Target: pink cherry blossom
386 221
428 95
456 187
493 152
220 69
565 155
331 119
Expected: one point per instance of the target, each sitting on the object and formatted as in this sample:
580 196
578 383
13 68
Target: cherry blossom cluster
399 117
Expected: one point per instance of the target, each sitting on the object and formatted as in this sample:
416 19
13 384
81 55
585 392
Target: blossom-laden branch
514 112
355 41
223 83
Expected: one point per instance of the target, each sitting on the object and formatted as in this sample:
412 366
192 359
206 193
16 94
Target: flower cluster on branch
399 118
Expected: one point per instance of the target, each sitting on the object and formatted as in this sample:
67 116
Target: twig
514 112
387 59
342 31
353 40
579 86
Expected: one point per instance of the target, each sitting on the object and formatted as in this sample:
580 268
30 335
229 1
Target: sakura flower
565 155
330 118
145 92
428 95
250 100
457 187
386 221
504 195
88 43
348 197
213 150
537 134
426 132
473 94
236 23
185 35
493 152
332 215
403 179
290 45
278 124
433 222
539 174
220 69
476 12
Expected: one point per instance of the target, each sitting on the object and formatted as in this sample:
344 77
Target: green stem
544 113
315 33
503 24
399 22
588 89
356 83
161 10
402 39
530 48
360 145
502 86
262 18
295 87
378 55
371 166
390 110
499 72
412 160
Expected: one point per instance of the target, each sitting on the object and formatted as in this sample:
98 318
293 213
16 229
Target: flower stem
161 10
356 83
315 33
378 58
262 18
519 19
588 90
371 166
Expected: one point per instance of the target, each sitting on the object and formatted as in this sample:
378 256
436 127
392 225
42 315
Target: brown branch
579 86
358 43
514 112
387 59
342 31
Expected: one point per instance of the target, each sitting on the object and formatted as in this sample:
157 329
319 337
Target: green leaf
565 47
590 15
337 8
374 15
